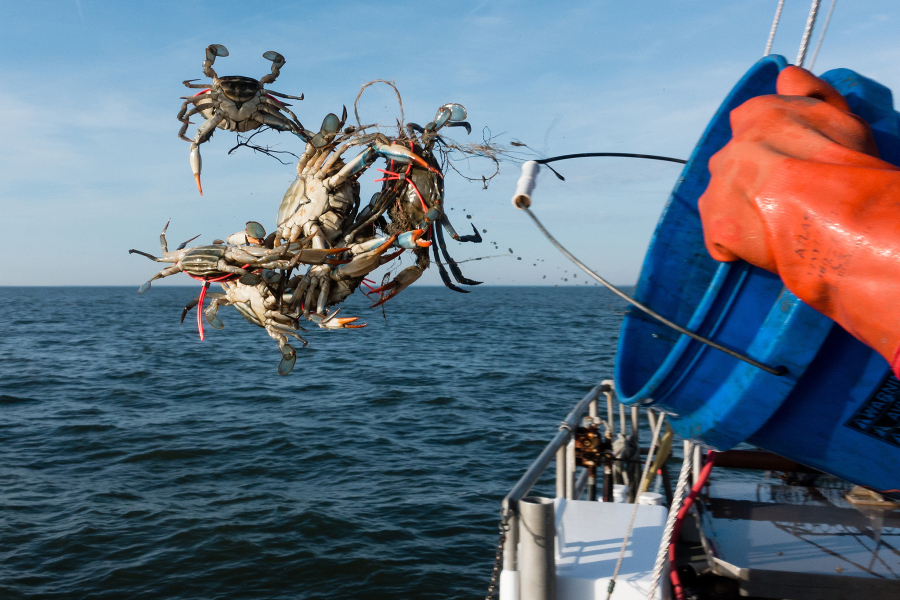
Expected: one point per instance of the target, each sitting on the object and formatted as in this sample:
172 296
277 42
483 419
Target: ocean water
138 462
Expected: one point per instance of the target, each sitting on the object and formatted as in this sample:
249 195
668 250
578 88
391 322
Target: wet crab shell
239 89
203 261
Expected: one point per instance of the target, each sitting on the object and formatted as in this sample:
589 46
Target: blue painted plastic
719 400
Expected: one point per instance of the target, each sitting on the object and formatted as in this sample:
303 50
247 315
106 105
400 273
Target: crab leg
403 280
454 268
277 62
324 290
164 273
282 106
190 84
476 238
212 51
204 132
274 120
147 254
195 110
211 318
441 270
280 95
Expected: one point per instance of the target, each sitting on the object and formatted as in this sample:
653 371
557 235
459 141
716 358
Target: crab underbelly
293 197
247 312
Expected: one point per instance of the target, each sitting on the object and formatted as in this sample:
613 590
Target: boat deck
589 539
784 541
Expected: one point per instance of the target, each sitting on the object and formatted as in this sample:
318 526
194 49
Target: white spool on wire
522 197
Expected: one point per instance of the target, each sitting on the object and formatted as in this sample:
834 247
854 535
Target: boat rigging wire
807 33
700 480
522 201
822 35
677 499
774 27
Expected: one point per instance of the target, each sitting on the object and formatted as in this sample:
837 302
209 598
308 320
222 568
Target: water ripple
139 462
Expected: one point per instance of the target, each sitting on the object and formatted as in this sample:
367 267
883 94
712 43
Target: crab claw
411 239
365 261
403 280
402 155
196 165
332 322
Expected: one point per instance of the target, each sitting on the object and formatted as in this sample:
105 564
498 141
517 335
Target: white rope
774 27
822 35
677 499
807 33
656 430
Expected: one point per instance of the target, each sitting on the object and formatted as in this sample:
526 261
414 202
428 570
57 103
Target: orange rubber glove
800 191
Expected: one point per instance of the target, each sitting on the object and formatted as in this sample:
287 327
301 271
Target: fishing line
522 201
545 161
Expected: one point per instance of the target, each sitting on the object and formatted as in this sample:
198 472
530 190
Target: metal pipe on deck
561 472
592 483
697 464
537 560
610 415
688 451
509 576
570 469
581 483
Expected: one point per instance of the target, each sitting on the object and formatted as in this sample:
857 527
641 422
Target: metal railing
562 448
571 484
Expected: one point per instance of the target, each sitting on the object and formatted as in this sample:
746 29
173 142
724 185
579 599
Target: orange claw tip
423 243
199 187
383 300
421 162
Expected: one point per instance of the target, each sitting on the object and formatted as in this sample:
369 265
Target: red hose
679 521
200 309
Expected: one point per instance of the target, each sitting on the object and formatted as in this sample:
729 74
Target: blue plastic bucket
838 408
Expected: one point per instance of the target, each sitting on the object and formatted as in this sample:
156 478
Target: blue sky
91 165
